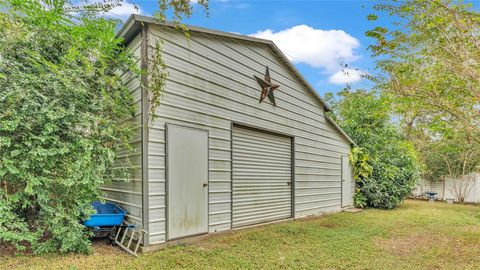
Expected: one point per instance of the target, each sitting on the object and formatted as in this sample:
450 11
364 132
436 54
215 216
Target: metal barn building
216 158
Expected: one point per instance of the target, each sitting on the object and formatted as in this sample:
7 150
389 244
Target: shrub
365 117
65 113
362 170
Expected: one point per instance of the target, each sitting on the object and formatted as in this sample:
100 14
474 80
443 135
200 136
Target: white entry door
347 183
187 167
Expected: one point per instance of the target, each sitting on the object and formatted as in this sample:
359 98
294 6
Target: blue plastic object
108 214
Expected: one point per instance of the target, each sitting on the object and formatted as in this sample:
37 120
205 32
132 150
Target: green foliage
179 9
372 17
385 165
157 77
429 60
454 156
65 116
362 170
359 199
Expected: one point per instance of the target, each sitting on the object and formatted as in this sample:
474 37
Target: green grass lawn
416 235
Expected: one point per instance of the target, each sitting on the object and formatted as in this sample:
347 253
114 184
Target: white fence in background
469 188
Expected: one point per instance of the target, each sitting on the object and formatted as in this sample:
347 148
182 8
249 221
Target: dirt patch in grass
407 245
329 224
436 248
8 250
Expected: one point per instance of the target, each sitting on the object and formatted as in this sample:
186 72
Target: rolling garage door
262 177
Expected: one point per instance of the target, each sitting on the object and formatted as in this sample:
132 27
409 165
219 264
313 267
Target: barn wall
128 192
210 84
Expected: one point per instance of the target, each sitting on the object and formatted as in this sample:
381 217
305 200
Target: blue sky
318 36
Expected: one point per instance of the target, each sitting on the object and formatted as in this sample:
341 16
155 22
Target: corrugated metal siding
262 177
210 84
157 193
128 192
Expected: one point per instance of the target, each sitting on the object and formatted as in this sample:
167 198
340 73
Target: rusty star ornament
267 87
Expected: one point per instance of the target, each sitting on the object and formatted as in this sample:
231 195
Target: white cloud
326 49
347 75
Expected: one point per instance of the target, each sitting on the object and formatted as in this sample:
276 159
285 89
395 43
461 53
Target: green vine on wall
157 72
157 78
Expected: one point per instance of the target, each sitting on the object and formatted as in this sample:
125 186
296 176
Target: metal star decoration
267 87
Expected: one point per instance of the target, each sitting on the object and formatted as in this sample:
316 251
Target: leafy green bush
365 117
395 172
362 170
64 114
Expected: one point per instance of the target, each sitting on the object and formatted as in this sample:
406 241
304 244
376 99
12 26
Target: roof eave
130 29
151 20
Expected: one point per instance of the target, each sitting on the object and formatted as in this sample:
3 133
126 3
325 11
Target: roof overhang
134 23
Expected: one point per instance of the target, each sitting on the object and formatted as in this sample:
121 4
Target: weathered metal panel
128 192
223 51
183 66
209 86
262 176
217 109
187 162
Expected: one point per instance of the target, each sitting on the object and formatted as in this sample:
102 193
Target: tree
65 114
454 157
430 61
365 117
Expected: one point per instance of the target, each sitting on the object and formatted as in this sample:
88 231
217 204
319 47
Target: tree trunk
4 186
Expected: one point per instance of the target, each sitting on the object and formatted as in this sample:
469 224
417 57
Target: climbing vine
157 78
157 72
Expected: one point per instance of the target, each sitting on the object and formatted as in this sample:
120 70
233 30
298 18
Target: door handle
205 184
289 183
